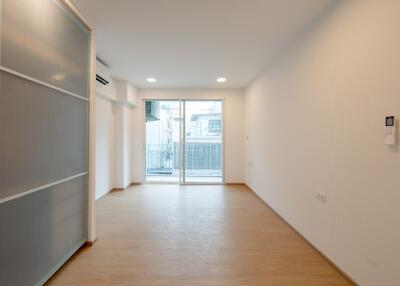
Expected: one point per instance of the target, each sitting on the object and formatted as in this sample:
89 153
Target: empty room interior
199 142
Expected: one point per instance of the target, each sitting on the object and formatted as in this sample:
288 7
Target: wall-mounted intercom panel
390 130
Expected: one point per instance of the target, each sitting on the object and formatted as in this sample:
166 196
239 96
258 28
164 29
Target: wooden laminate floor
194 235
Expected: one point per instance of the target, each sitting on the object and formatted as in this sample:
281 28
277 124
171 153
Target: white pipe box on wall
126 93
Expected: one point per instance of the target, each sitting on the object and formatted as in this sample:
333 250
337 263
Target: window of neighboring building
214 126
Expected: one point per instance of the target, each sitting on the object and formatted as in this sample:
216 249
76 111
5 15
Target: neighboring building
204 128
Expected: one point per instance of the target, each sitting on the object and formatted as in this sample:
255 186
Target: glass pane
39 39
203 142
162 141
38 230
43 135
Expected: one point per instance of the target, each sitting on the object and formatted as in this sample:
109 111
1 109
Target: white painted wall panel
315 123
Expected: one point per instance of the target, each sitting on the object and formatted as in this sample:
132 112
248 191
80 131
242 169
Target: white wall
315 122
105 139
104 147
114 136
125 105
234 126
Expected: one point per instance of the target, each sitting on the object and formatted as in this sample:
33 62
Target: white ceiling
189 43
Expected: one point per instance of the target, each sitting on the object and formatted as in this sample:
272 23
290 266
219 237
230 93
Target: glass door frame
183 142
145 181
182 139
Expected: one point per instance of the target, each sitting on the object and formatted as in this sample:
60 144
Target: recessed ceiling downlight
151 79
221 79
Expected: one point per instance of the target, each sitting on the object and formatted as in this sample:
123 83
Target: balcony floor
189 179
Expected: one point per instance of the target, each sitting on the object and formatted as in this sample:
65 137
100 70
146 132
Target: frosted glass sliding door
44 72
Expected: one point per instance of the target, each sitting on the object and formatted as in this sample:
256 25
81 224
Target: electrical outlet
322 198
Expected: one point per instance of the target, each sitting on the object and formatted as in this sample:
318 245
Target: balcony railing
201 159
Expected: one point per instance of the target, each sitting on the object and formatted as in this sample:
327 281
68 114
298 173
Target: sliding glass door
163 140
184 141
202 142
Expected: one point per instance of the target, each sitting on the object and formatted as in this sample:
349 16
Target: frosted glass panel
41 40
43 139
43 135
38 231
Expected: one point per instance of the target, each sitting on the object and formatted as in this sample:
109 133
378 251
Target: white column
126 101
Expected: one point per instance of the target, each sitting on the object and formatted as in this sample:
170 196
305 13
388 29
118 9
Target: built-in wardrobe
44 104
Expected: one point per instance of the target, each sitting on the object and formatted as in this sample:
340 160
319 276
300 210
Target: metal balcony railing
201 159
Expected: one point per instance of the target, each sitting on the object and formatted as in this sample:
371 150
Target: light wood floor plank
194 235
